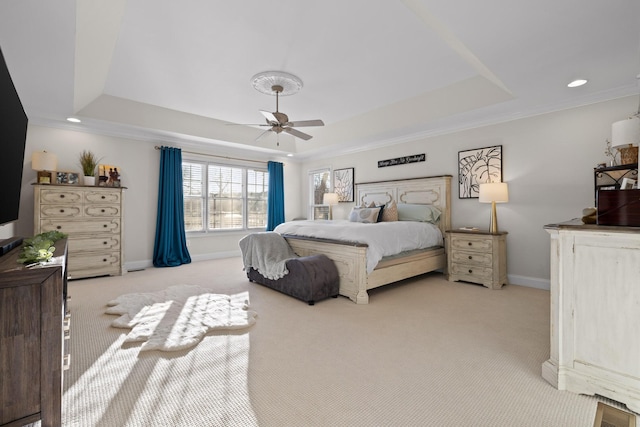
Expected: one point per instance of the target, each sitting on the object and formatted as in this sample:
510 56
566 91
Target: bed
350 257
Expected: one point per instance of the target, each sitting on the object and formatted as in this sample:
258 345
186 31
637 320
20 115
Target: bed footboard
349 258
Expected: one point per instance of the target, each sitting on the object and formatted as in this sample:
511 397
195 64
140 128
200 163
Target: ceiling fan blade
262 135
304 123
297 134
269 116
247 124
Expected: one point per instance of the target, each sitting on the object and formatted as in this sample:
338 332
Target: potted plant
89 163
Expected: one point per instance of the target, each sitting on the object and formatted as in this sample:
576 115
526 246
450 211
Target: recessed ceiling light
290 155
578 82
73 120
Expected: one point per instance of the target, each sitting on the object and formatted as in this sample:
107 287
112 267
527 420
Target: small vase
90 180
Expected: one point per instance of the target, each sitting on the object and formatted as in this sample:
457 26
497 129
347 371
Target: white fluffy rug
178 317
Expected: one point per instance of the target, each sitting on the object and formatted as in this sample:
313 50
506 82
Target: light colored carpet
178 317
425 352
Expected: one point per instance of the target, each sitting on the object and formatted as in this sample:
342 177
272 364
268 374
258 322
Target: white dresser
595 311
92 217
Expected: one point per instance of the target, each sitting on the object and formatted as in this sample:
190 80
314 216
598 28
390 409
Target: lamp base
44 177
628 155
493 227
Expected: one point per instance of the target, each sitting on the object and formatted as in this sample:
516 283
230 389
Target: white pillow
422 213
367 215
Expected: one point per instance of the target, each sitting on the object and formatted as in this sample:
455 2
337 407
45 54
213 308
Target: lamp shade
43 161
494 192
625 132
330 199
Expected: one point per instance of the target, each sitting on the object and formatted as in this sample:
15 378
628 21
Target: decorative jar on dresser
93 219
477 257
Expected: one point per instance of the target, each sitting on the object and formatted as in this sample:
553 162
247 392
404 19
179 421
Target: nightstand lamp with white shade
494 192
625 136
45 163
330 199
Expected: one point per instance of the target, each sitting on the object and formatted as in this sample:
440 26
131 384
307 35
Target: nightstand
477 257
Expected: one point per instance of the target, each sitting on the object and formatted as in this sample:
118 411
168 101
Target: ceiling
377 72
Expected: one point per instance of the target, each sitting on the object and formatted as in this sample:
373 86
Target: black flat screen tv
13 134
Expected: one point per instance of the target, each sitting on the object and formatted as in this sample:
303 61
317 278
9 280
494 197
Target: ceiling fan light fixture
265 81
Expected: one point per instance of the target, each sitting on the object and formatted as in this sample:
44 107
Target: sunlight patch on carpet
179 316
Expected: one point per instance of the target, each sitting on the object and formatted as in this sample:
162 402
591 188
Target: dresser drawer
471 273
94 264
59 211
61 196
96 211
472 258
94 243
102 196
471 243
88 226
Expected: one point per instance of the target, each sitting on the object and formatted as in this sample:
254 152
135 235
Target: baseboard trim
530 282
141 265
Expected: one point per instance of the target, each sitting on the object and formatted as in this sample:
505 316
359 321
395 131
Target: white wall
548 161
138 163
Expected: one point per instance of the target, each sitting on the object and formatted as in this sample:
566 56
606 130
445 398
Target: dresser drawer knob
470 271
104 260
61 210
105 226
470 257
104 243
59 227
102 210
470 243
103 197
62 196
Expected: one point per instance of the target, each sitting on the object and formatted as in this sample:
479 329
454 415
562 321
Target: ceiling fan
279 122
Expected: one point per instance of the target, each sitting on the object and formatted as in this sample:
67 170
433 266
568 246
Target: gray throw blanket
266 252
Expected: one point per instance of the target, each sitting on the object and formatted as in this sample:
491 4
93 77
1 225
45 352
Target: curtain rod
220 157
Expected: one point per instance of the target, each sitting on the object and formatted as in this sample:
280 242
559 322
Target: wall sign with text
415 158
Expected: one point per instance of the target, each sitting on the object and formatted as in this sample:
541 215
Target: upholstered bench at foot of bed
310 279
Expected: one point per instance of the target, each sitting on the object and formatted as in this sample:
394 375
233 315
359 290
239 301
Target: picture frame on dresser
68 178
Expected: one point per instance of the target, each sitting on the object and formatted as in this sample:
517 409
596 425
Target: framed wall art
478 166
343 184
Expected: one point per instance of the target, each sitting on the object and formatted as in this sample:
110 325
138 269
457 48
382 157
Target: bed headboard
434 191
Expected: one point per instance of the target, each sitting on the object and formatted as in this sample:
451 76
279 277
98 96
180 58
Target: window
222 197
319 183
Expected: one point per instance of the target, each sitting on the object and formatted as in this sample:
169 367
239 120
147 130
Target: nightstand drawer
472 258
464 243
471 273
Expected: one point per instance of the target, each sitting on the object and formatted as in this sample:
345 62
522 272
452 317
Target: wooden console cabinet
32 305
595 311
92 218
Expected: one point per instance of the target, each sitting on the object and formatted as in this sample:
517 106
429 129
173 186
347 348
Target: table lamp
494 192
625 136
330 199
44 163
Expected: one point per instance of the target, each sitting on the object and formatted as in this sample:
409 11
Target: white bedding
383 238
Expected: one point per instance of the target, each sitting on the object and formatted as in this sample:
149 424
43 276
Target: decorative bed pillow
368 215
421 213
390 212
373 205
